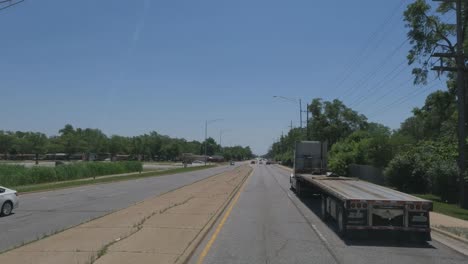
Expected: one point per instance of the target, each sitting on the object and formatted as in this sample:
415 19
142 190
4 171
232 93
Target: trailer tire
324 213
298 189
341 222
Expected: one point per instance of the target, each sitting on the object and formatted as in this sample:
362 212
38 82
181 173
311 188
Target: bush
428 167
16 175
444 180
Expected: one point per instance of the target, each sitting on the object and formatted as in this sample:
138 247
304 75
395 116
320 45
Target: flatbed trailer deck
355 189
361 205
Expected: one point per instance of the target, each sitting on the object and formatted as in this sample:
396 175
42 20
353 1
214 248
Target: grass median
104 179
445 208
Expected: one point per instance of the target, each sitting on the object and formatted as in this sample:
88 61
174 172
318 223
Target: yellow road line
207 248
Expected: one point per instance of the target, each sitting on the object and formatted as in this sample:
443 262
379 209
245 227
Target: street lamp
206 134
294 101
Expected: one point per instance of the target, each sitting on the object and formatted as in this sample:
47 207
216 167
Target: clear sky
129 67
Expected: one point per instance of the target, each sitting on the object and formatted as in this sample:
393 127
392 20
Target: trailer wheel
324 214
341 222
298 189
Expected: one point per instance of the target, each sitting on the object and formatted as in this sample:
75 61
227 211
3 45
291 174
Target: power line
10 5
362 54
404 98
372 74
382 83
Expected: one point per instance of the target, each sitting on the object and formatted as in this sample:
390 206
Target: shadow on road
370 237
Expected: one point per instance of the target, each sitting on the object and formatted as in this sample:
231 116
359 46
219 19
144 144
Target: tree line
151 146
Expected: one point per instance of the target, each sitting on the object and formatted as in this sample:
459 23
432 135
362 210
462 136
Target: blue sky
129 67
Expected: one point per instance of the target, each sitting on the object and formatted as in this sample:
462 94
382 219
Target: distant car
232 163
252 162
8 201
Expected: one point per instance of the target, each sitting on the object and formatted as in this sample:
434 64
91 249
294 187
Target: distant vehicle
8 201
232 163
356 204
252 162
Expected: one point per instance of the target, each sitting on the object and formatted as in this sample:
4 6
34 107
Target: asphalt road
269 224
48 212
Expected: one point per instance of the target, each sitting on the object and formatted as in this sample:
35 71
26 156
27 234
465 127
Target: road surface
49 212
269 224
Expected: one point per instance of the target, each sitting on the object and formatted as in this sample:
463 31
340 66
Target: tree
211 147
7 140
96 141
365 147
71 141
332 121
37 142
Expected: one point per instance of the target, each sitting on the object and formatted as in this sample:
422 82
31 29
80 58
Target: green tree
37 144
211 147
7 140
332 121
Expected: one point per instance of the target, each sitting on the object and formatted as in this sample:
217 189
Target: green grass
445 208
75 183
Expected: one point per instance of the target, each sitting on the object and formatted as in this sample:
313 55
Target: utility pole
307 122
206 135
460 60
461 99
300 113
206 132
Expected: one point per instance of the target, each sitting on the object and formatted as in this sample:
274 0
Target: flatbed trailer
360 205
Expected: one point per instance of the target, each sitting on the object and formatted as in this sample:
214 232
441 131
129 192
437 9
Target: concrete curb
453 236
188 253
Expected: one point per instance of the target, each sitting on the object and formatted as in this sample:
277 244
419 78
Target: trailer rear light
411 206
418 207
364 205
353 205
358 205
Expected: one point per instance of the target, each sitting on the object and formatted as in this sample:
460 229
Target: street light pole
206 132
206 136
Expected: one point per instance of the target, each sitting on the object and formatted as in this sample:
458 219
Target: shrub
444 180
428 167
16 175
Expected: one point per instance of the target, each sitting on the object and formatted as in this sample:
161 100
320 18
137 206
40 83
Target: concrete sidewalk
162 229
451 225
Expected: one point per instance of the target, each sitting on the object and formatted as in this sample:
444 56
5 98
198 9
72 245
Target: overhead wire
363 54
404 98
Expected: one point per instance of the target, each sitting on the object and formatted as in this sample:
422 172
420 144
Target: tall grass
17 175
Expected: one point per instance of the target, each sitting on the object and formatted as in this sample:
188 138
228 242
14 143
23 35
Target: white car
8 201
